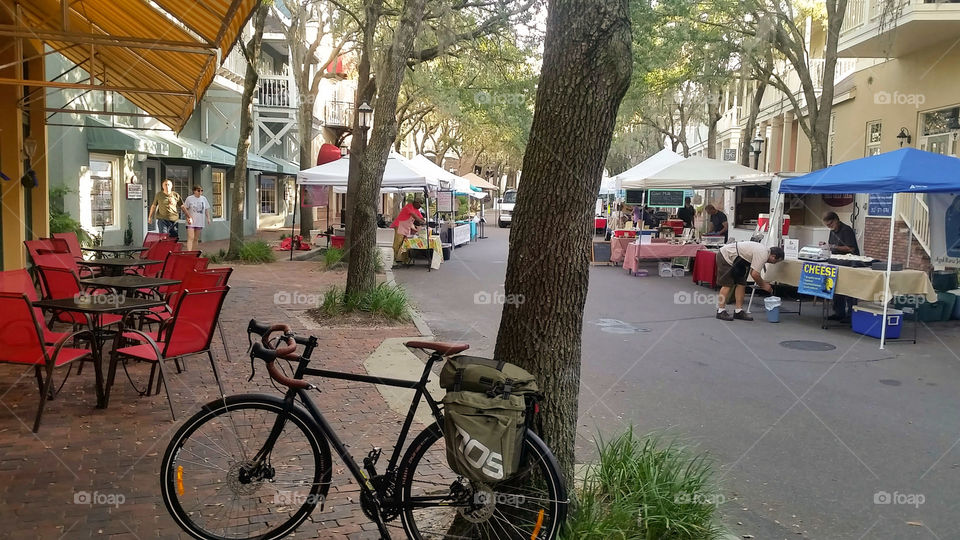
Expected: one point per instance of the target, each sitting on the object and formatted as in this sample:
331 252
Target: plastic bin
867 320
772 305
678 272
944 280
446 249
665 269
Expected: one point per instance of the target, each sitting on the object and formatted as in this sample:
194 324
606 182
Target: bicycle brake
253 368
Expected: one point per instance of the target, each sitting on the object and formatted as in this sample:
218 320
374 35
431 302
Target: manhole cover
801 345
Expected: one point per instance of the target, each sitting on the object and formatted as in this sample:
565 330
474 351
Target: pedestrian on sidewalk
167 205
198 214
735 262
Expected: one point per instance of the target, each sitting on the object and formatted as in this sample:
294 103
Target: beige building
896 85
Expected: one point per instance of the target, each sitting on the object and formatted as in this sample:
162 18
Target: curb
414 315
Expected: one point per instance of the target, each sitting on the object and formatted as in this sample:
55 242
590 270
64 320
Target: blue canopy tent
906 170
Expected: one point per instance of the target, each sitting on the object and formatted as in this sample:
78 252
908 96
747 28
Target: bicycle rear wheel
438 503
218 483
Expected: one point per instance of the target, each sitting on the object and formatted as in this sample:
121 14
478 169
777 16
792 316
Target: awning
161 55
284 166
254 161
479 182
101 136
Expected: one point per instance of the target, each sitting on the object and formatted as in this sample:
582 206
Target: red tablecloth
705 267
618 246
656 251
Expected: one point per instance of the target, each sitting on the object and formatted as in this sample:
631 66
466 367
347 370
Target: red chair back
21 340
223 274
194 321
200 281
158 252
153 237
19 281
59 282
201 265
73 243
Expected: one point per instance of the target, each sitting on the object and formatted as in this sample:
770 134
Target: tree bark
714 115
369 159
586 70
750 128
251 77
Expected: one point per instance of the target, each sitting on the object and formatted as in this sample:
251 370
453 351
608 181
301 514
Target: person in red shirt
405 225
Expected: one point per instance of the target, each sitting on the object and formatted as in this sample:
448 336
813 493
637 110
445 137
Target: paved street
804 441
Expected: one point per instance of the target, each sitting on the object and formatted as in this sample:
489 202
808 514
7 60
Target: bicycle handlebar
264 351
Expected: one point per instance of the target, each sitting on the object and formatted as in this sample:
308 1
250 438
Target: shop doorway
151 180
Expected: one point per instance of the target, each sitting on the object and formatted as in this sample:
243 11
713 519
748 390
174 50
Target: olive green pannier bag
487 410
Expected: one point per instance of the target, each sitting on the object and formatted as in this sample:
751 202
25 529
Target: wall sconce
904 136
365 111
29 148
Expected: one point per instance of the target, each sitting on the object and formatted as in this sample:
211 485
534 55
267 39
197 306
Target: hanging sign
446 201
134 191
880 205
818 279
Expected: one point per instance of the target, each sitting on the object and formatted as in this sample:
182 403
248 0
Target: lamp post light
366 114
904 136
757 146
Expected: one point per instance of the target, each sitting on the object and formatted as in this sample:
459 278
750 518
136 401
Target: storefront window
102 190
216 201
268 194
937 131
182 177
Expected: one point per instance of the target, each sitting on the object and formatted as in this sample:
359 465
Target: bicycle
257 465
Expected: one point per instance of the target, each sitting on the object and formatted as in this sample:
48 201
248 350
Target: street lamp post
366 113
757 146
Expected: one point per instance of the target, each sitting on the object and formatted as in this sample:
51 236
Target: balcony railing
844 67
275 91
914 211
338 113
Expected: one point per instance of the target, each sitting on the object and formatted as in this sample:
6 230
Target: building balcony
277 91
872 29
338 114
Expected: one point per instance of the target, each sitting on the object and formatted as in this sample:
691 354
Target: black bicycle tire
434 432
321 452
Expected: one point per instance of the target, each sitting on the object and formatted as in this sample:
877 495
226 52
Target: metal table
115 250
116 266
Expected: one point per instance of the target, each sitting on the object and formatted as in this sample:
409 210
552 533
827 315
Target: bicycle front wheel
221 478
438 503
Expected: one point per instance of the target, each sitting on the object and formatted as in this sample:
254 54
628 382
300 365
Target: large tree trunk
239 184
586 71
714 114
750 127
369 159
305 132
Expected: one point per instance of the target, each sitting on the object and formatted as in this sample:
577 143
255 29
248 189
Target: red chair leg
43 397
166 386
216 374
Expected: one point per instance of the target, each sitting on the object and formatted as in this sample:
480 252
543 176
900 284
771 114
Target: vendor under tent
648 167
906 170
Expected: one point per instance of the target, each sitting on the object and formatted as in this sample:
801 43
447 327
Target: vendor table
618 246
417 243
862 283
656 251
705 268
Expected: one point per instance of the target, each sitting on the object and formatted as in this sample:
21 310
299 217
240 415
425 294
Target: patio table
116 266
128 283
114 250
96 306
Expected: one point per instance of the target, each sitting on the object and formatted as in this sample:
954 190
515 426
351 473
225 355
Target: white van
505 207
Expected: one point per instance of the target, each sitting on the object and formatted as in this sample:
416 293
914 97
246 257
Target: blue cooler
867 319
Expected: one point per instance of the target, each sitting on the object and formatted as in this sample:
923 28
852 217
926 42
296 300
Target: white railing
844 67
275 91
913 210
855 16
863 12
235 62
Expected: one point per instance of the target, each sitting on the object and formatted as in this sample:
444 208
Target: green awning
101 136
187 148
284 166
254 161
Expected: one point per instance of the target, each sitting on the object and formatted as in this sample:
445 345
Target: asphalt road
850 443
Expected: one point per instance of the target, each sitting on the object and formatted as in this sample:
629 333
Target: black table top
118 248
99 303
128 282
119 261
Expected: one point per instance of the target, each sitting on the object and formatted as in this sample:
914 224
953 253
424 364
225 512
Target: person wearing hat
735 262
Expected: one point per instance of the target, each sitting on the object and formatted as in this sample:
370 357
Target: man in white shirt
198 214
734 262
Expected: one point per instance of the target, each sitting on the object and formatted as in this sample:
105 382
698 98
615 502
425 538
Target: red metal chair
223 273
153 237
63 283
201 265
158 252
19 281
189 331
21 342
73 243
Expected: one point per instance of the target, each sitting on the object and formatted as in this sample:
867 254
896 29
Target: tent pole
886 278
293 222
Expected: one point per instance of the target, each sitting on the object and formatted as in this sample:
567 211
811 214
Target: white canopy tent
398 175
701 173
434 172
648 167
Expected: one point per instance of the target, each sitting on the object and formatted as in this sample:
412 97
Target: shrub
332 304
644 489
256 252
218 257
388 301
332 257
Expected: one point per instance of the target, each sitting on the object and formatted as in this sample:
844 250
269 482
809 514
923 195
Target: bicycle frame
363 479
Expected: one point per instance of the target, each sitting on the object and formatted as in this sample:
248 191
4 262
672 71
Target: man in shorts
167 205
198 214
735 262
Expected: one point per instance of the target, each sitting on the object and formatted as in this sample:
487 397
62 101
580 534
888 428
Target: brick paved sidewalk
117 451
